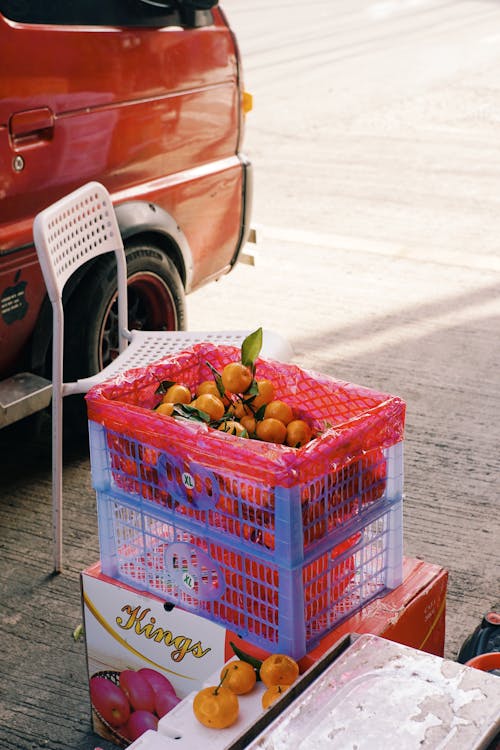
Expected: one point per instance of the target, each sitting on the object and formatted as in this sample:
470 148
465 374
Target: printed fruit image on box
131 701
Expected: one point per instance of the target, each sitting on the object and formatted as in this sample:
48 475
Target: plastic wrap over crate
285 506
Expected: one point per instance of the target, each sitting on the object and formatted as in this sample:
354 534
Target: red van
147 98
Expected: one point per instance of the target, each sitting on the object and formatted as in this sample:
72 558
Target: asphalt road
376 122
375 140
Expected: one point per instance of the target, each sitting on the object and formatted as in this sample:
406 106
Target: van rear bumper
21 395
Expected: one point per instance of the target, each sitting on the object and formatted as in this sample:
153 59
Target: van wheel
156 301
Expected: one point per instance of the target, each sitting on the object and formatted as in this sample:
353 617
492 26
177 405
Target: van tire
156 302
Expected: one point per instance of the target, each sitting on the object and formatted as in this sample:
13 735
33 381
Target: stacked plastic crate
275 543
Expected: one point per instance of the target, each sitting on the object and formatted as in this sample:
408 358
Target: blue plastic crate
244 586
288 522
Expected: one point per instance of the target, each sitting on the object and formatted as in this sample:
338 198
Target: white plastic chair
67 234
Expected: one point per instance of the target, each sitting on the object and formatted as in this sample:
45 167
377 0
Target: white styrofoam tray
364 696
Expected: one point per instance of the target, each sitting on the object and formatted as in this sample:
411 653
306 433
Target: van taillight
246 102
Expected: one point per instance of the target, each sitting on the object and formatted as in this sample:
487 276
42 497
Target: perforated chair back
72 231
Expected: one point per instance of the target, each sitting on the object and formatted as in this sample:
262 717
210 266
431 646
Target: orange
279 410
241 677
298 433
207 386
314 521
236 377
265 394
272 694
232 428
271 431
216 707
165 408
177 394
279 669
210 404
249 424
210 386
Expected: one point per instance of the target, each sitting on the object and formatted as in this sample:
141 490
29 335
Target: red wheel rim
151 307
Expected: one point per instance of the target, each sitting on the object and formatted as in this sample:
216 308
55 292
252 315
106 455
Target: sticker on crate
193 512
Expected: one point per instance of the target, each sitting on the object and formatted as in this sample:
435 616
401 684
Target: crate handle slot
194 572
191 484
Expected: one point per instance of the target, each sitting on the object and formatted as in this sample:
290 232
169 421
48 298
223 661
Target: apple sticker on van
13 304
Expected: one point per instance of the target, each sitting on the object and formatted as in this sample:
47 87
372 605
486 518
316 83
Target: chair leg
57 437
57 471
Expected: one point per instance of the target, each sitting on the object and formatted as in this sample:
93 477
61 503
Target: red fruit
157 681
138 690
109 701
165 702
139 722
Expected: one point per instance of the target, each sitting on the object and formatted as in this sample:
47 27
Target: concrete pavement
348 312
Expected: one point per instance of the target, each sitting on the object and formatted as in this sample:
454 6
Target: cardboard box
130 629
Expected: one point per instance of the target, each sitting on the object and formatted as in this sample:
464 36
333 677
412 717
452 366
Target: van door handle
31 126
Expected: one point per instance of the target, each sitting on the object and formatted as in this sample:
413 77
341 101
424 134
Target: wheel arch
152 223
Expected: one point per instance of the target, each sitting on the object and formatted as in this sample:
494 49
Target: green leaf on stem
256 663
190 412
164 386
251 347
